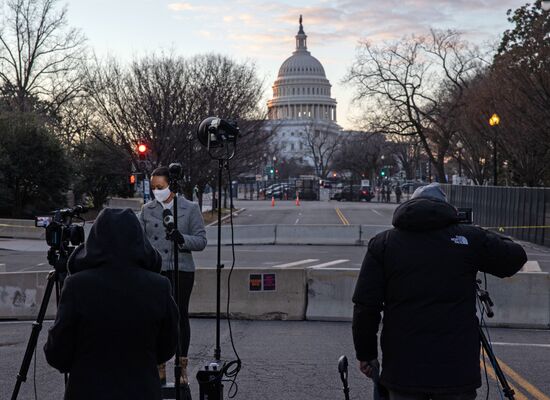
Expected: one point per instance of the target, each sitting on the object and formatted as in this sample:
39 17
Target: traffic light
142 151
383 173
271 171
132 179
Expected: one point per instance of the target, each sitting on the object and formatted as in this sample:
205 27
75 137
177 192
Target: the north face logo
460 240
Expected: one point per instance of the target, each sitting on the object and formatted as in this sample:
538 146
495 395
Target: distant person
388 194
378 193
398 193
383 193
421 275
191 236
116 319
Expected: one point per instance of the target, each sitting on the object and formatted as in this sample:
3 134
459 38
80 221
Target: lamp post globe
494 121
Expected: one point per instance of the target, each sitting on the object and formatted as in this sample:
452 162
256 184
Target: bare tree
322 143
160 100
408 84
39 54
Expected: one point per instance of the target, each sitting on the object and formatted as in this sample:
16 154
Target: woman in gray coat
191 233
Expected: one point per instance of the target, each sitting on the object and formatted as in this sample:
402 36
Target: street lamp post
459 145
494 121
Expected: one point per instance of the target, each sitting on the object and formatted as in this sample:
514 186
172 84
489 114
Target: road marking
376 212
536 393
531 266
544 346
490 371
328 264
342 216
295 263
297 220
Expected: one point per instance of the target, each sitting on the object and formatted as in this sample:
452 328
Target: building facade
301 107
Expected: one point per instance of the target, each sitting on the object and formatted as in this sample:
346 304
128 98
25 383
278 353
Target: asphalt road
30 255
288 361
314 212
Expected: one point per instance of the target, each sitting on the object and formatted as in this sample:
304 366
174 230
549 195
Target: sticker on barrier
262 282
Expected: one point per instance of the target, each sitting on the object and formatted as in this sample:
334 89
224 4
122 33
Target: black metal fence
523 213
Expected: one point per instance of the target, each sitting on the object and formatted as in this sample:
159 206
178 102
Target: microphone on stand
171 233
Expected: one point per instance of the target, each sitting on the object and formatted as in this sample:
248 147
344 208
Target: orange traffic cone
272 201
297 199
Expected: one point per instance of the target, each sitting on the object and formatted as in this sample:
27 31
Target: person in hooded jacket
421 274
190 236
116 319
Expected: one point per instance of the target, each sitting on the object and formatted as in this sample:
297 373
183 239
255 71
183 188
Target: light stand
170 221
220 139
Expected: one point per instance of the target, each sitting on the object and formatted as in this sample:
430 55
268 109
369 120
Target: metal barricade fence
521 212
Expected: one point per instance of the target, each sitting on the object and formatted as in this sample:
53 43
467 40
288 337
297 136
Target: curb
235 213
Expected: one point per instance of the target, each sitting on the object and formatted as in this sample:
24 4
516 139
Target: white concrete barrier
294 294
319 234
520 301
276 294
21 294
21 229
244 234
132 203
329 293
19 222
370 231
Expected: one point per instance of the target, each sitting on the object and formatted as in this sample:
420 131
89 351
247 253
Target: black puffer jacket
116 319
421 274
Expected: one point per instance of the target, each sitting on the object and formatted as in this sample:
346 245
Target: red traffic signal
132 179
142 151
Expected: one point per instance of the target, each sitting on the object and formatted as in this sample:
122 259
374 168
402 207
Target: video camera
62 235
465 216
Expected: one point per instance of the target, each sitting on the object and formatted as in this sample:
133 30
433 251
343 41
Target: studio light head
215 132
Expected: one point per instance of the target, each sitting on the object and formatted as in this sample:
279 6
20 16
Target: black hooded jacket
116 319
421 275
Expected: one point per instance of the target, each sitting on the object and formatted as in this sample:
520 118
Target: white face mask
162 194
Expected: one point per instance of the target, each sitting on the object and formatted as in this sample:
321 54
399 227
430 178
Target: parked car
354 193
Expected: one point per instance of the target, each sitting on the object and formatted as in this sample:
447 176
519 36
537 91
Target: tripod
485 299
58 260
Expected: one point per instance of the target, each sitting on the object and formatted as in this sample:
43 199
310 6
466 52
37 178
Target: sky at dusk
263 31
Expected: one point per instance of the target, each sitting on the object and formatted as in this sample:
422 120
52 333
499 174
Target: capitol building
302 107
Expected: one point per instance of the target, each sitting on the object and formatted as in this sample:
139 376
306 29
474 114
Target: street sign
259 178
146 190
365 182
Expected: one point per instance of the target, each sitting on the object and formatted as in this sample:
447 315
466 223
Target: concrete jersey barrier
21 294
255 294
346 235
522 301
263 294
324 294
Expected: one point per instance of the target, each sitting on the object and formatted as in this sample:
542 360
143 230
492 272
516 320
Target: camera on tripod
60 229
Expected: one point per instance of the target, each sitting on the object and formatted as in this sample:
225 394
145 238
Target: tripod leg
506 389
33 340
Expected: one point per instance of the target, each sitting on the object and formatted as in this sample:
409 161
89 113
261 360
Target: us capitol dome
301 102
